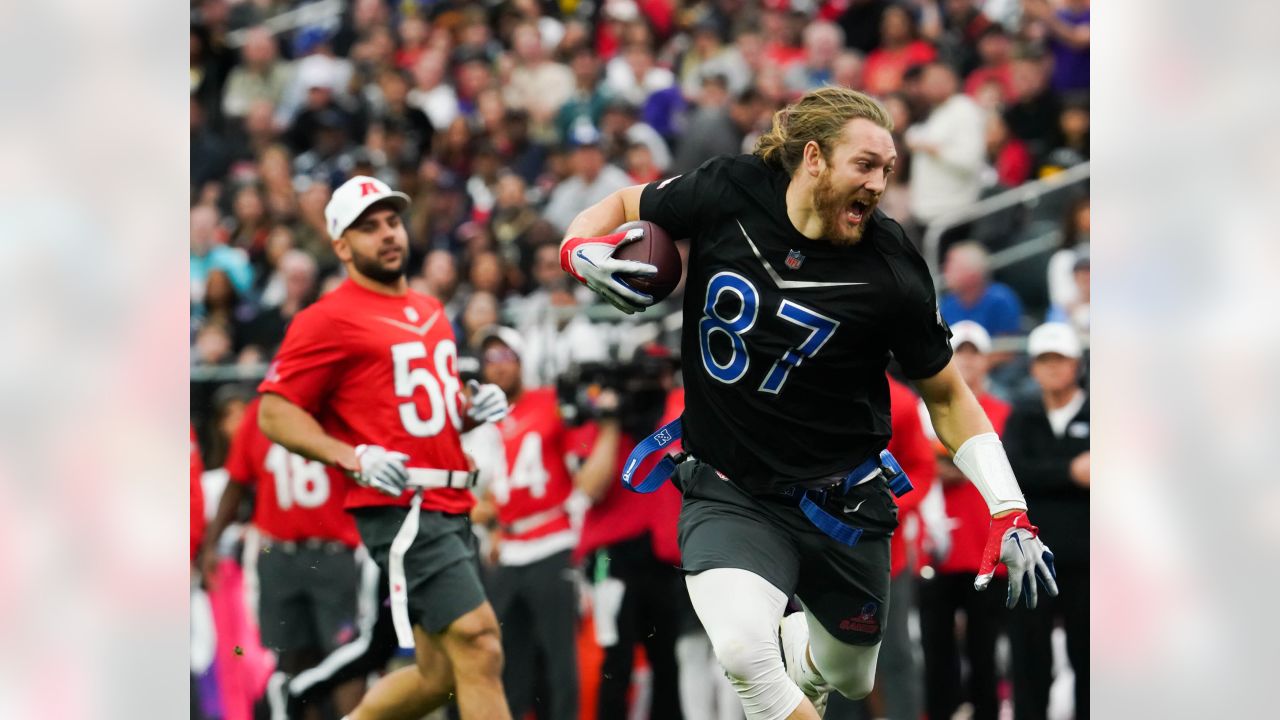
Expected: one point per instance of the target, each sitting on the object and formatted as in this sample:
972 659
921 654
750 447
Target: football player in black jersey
798 291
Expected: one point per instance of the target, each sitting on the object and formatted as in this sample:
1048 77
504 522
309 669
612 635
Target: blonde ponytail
819 116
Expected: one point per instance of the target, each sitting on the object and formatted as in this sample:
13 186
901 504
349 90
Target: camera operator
628 540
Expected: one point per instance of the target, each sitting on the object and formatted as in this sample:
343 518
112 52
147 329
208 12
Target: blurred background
503 120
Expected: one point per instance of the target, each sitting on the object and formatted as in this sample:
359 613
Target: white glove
1014 541
591 261
381 469
488 402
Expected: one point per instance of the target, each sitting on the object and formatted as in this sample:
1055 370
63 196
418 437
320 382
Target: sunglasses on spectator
494 355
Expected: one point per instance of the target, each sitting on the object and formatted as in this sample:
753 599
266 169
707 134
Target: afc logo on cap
368 188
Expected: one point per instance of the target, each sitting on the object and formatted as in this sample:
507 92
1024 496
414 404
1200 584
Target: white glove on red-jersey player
381 469
591 261
1014 541
488 402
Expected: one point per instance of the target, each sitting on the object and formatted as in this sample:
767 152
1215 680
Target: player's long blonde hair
819 116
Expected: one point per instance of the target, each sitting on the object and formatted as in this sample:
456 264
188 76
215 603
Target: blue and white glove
488 402
591 261
381 469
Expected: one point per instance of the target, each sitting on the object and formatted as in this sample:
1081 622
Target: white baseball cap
968 331
507 336
354 197
1053 337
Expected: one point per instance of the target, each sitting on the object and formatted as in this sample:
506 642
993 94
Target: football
659 250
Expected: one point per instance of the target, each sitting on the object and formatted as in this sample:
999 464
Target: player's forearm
226 513
294 428
600 219
965 430
597 471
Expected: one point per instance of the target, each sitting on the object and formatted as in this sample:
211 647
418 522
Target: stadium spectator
592 180
586 103
622 129
899 49
709 55
291 288
1067 27
847 70
634 75
1070 144
260 75
822 44
209 252
948 152
710 129
1034 115
394 113
1006 153
971 295
962 23
959 531
861 21
1076 312
431 93
538 85
557 335
1047 439
249 225
1063 290
312 42
995 48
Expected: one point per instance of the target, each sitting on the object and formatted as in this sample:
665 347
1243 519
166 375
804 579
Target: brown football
659 250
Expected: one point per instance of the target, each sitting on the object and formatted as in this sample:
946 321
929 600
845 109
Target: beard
375 269
844 216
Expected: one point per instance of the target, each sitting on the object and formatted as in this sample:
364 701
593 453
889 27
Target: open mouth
857 212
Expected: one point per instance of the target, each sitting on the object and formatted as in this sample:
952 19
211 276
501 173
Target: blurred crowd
503 120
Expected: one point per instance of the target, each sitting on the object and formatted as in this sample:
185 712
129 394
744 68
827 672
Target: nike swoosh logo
788 284
854 509
585 258
420 330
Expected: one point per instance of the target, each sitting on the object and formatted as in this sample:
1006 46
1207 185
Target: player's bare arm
963 427
618 207
294 428
232 495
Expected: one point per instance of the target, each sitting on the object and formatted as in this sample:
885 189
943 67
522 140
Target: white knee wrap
740 612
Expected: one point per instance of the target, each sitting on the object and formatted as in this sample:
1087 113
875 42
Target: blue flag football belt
810 501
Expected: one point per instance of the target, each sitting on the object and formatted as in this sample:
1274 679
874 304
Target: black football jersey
786 339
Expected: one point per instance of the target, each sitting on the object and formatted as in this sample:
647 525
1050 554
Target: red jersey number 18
298 480
443 399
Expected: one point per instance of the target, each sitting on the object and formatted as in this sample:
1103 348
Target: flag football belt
809 500
534 521
433 479
290 547
419 479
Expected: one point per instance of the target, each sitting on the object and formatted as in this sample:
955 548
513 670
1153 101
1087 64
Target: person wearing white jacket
948 148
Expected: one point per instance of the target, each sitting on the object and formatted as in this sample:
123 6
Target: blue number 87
820 328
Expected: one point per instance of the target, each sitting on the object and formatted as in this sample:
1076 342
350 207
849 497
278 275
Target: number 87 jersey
786 339
381 370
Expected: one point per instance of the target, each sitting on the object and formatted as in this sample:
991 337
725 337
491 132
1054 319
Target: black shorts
307 596
845 588
441 566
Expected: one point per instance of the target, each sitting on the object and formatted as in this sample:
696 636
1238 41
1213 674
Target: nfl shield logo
794 258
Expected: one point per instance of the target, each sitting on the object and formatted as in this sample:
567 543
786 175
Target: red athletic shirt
967 510
537 480
197 497
382 370
914 453
296 498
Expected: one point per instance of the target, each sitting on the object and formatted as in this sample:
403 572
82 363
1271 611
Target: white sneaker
793 635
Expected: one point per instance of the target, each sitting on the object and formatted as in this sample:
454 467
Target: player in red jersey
308 574
533 590
959 534
366 381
